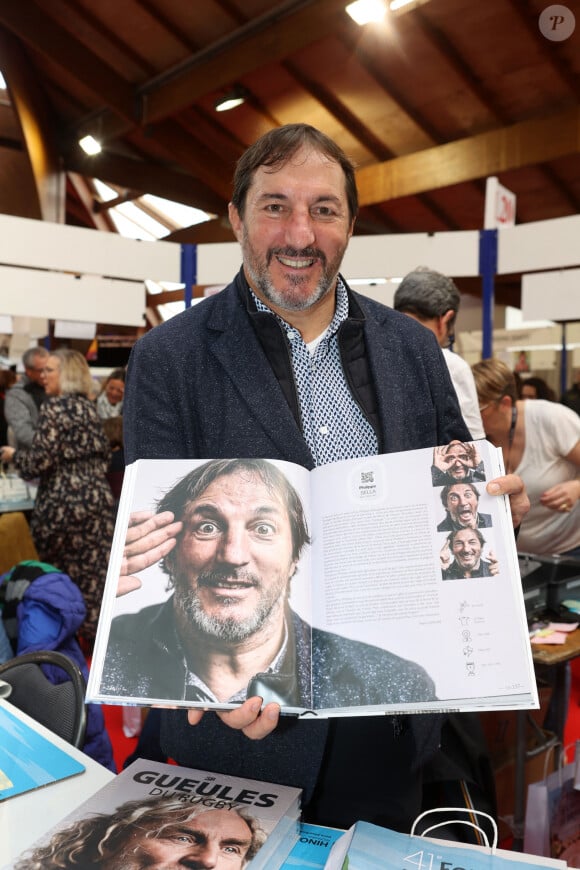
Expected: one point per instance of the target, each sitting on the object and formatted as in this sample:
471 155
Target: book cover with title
162 814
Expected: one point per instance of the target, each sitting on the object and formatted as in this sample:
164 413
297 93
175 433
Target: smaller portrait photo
467 554
459 508
457 462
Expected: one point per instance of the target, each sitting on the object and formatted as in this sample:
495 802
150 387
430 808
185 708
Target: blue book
28 760
369 847
312 847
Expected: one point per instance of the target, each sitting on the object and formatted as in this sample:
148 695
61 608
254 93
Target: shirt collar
340 311
192 679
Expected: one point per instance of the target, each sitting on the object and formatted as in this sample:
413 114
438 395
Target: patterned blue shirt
332 422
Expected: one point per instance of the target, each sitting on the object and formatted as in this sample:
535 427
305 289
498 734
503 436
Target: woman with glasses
540 441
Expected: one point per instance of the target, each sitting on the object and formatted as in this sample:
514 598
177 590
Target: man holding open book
288 363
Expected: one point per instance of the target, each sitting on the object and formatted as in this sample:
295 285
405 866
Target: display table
555 656
24 818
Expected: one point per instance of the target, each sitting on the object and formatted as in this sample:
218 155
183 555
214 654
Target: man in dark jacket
288 363
24 399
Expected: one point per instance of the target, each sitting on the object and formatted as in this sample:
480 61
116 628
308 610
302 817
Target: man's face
217 839
295 230
466 549
462 505
35 370
458 462
234 560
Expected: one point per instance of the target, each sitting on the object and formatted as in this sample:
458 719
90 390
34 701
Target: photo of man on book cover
159 816
158 832
229 536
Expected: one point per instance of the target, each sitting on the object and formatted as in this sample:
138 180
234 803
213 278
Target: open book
357 588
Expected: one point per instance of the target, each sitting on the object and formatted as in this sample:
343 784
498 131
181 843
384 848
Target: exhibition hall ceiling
428 103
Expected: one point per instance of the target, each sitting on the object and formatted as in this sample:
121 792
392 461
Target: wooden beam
218 230
41 32
513 147
195 157
157 299
38 126
268 39
148 177
99 221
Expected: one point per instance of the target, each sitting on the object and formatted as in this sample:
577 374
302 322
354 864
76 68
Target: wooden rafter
513 147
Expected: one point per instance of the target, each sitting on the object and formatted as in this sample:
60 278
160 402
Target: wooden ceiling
427 104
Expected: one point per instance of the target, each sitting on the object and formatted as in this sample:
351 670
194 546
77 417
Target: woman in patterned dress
73 518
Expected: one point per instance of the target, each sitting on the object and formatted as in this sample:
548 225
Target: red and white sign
500 205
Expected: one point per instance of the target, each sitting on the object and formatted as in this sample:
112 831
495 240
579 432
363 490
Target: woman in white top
110 399
540 441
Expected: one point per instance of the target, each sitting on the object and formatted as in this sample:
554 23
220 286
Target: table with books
33 796
15 494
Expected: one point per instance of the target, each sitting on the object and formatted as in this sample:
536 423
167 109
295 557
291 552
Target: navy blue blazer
199 385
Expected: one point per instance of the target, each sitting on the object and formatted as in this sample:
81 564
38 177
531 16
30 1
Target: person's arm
18 417
564 496
43 453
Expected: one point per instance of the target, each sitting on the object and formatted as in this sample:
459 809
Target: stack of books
155 814
369 847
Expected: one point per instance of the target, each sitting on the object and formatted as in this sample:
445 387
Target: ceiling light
231 100
367 11
90 145
406 5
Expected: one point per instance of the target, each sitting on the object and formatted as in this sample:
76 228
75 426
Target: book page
126 669
425 569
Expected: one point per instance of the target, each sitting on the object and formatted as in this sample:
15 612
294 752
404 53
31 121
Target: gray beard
262 282
228 629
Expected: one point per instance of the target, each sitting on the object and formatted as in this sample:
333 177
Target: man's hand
440 459
513 486
473 455
150 537
445 555
493 563
249 718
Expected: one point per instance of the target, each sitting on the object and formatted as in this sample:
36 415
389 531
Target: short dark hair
426 294
194 484
446 490
279 145
452 535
